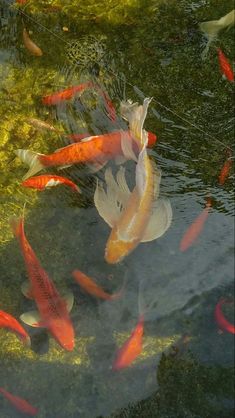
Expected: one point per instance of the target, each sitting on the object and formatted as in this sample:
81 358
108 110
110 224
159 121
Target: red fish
95 150
109 105
67 94
132 348
52 308
21 1
222 322
9 322
225 66
195 228
49 180
92 288
225 170
20 404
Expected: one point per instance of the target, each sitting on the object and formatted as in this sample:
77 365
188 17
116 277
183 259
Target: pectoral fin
32 318
159 221
126 145
26 289
69 300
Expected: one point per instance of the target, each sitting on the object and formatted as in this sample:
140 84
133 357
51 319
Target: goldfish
222 322
92 288
93 150
225 67
195 228
224 172
49 180
30 45
40 124
52 308
20 404
137 216
132 347
9 322
67 94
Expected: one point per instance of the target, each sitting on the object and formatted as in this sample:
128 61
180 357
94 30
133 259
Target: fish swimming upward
52 308
20 404
94 150
9 322
137 216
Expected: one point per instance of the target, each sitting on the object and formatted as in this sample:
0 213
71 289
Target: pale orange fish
137 216
225 169
30 45
132 347
19 403
92 288
195 228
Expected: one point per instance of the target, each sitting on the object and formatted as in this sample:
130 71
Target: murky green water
145 48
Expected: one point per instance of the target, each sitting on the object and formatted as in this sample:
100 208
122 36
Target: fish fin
123 189
32 318
136 115
88 138
106 208
120 159
26 289
211 28
157 180
159 221
61 167
68 297
30 158
96 166
126 145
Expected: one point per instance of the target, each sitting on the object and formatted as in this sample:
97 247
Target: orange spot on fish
221 321
19 403
195 228
131 349
225 66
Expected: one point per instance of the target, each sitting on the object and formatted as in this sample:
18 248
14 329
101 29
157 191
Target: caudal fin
16 225
30 158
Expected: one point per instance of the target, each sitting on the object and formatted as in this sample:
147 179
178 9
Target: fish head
152 139
63 332
116 249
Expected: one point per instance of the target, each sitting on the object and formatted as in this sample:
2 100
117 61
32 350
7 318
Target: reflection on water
157 54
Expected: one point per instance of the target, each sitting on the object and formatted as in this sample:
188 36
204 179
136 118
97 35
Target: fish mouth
69 346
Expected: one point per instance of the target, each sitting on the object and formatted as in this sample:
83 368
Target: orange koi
137 216
67 94
222 322
96 150
49 180
30 45
20 404
132 347
9 322
225 66
195 228
92 288
52 308
225 170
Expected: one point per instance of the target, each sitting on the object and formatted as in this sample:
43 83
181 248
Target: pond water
132 49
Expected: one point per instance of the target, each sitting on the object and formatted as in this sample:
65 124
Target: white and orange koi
49 180
137 216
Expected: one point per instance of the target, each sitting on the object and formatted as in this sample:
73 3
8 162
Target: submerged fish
225 170
9 322
52 308
30 45
132 347
92 288
195 228
222 322
137 216
40 124
94 150
49 180
20 404
225 67
67 94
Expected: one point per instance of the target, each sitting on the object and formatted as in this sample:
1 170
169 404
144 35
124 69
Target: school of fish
134 216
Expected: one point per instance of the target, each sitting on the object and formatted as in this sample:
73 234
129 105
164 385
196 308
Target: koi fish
30 45
20 404
92 288
222 322
9 322
225 67
225 171
49 180
94 150
67 94
78 137
52 308
40 124
132 347
195 228
137 216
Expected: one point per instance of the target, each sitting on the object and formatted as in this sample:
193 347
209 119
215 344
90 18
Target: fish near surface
52 308
137 216
19 403
49 180
94 150
9 322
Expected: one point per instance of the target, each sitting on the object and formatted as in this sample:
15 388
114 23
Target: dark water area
132 50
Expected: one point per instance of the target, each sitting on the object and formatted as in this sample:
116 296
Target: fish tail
211 28
32 159
16 225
